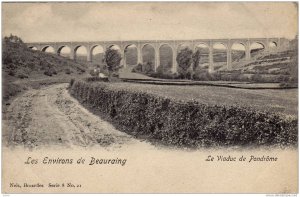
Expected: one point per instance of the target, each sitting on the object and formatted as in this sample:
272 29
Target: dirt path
50 116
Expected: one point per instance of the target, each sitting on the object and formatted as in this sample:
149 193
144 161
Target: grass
284 101
24 68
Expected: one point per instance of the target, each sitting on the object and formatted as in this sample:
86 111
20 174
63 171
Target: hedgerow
181 123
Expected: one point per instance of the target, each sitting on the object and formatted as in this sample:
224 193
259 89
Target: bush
11 73
257 78
22 76
68 71
93 79
168 75
50 71
138 68
284 79
201 75
189 124
148 67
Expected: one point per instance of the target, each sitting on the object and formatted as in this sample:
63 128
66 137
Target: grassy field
194 116
284 101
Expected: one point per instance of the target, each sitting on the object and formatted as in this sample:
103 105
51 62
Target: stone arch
273 44
83 53
219 54
64 51
166 53
96 53
114 46
238 51
48 49
256 47
220 43
149 44
33 48
130 59
148 55
201 45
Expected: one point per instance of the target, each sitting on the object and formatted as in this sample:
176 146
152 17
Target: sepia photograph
150 97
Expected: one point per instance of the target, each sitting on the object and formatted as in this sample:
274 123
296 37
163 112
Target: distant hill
275 63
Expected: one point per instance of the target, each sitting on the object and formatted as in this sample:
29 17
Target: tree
184 59
112 59
14 39
196 59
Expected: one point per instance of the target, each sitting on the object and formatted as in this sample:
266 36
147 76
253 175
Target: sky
44 22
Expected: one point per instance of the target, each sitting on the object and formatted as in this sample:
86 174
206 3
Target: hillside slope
23 67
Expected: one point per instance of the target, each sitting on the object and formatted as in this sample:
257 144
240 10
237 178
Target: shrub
50 71
189 124
22 76
94 72
201 75
283 78
7 59
148 67
168 75
257 78
11 73
93 79
138 68
68 71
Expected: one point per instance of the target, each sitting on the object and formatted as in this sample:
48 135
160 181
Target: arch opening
273 44
48 49
219 55
238 52
33 48
165 57
204 55
148 55
64 51
115 47
256 48
97 54
80 53
131 55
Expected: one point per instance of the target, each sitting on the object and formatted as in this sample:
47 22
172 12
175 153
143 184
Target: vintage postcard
150 97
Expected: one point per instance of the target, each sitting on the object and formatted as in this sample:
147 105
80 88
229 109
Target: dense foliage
184 60
112 59
182 123
196 59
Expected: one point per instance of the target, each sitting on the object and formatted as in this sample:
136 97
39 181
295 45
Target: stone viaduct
157 44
